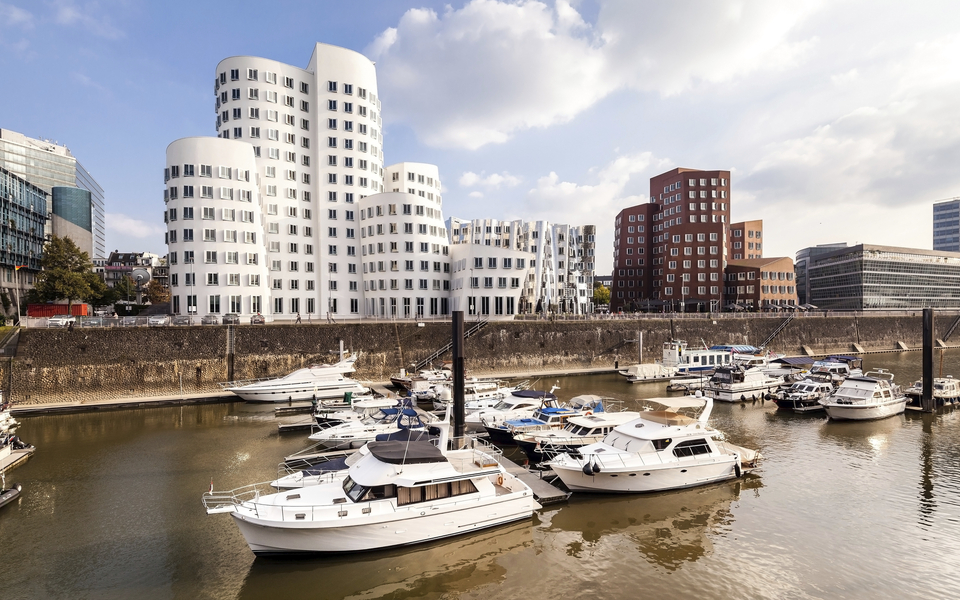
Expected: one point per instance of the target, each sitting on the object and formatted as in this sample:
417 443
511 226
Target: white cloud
481 73
128 227
15 18
493 181
69 13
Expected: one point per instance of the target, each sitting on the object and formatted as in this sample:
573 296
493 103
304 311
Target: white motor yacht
805 395
311 383
946 390
357 411
867 397
478 394
517 405
735 383
395 494
354 434
544 444
661 450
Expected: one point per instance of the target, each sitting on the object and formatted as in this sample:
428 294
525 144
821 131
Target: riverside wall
91 365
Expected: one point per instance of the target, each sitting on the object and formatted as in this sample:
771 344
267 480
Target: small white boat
837 368
661 450
867 397
354 434
805 395
544 444
478 394
396 494
735 383
426 377
642 373
946 390
357 411
677 355
519 404
7 422
311 383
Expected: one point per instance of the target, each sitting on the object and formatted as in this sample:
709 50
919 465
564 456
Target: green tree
125 289
601 295
67 273
155 293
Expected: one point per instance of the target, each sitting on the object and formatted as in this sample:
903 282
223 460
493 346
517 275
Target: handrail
446 347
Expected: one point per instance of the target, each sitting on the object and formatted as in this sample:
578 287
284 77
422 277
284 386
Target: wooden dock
16 458
545 492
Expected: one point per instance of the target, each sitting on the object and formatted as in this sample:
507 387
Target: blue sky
838 119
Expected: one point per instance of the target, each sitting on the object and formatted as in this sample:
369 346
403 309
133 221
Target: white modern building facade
291 211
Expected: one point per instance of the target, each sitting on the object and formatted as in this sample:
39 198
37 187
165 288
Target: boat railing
484 454
218 500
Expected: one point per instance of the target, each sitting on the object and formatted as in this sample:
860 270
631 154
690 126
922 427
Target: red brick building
760 282
746 240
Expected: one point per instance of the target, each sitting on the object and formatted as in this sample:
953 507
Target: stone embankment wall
87 365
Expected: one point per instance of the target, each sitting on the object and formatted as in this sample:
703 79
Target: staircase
951 329
447 347
783 325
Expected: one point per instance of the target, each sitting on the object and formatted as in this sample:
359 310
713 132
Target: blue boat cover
536 394
736 348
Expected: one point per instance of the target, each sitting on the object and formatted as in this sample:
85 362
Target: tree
155 293
125 289
67 273
601 295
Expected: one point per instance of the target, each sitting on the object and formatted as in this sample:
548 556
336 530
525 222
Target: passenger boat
518 404
541 445
310 383
543 418
663 449
946 390
805 395
866 397
395 494
735 383
354 434
676 354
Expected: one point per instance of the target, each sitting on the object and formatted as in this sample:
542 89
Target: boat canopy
409 453
736 348
536 394
682 402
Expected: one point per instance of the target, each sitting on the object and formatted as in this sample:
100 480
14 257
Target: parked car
158 320
91 322
182 320
257 319
231 319
128 322
61 320
210 320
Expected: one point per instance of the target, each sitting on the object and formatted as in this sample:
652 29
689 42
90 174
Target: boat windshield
503 405
352 489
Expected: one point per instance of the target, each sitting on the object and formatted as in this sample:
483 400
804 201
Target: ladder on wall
783 325
951 329
449 346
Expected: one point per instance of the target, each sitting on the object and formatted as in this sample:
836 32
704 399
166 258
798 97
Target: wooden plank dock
545 492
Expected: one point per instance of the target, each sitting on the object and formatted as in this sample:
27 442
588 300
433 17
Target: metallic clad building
867 277
946 225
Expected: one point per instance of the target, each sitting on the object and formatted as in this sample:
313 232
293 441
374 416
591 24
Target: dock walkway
545 493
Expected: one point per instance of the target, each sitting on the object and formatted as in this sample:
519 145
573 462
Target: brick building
760 283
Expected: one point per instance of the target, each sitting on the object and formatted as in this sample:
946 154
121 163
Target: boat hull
647 479
295 393
8 496
799 406
865 412
756 392
421 523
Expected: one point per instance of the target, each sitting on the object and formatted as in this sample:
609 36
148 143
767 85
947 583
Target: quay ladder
783 325
951 329
448 346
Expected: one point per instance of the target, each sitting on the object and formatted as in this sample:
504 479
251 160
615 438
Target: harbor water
111 509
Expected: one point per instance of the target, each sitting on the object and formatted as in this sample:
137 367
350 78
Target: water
111 509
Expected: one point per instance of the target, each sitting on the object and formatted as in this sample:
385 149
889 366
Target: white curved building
214 228
405 247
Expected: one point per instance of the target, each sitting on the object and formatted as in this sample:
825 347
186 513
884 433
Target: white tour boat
661 450
310 383
734 383
866 397
676 354
395 494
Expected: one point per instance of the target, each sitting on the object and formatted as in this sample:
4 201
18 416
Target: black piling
926 400
459 415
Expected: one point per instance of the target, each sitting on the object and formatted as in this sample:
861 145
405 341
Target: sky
838 120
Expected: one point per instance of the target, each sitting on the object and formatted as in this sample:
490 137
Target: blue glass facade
946 225
23 214
74 205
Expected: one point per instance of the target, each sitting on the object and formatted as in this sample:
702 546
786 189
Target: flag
18 267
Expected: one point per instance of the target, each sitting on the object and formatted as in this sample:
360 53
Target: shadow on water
433 570
668 529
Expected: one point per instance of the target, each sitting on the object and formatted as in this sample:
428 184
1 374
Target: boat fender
596 468
586 468
587 414
736 468
499 479
743 398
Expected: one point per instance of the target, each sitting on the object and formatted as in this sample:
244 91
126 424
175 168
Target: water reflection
668 529
867 437
457 566
927 504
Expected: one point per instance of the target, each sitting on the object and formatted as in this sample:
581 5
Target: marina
901 471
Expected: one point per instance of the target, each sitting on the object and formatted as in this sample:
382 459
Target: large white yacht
867 397
395 494
735 383
311 383
661 450
544 444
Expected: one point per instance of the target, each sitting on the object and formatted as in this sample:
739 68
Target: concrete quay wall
96 365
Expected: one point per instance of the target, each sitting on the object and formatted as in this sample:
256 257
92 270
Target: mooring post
459 418
926 400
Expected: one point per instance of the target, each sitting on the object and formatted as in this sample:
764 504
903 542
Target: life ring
499 479
588 413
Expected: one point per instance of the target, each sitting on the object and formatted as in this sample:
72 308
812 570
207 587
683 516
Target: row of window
207 191
254 75
394 284
693 183
408 265
210 213
173 172
236 305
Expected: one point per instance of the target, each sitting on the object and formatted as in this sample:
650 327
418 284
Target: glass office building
22 218
866 277
946 225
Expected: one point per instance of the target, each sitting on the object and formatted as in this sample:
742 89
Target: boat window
352 489
379 492
434 491
696 358
691 448
661 444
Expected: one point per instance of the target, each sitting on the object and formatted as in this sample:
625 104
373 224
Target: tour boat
541 445
734 383
946 390
805 395
518 404
396 494
660 450
676 354
354 434
310 383
543 418
866 397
